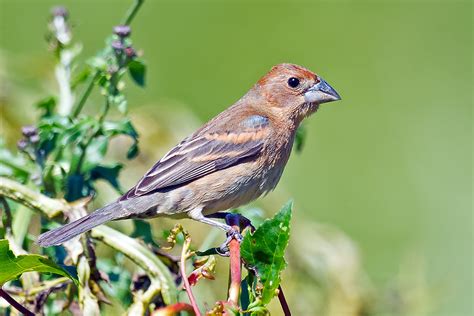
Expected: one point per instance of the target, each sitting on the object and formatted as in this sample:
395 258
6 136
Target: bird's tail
64 233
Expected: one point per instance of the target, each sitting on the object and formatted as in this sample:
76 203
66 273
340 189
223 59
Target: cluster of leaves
68 148
62 156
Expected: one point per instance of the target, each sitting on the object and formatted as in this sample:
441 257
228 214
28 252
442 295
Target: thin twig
80 104
40 288
283 302
15 304
132 12
182 268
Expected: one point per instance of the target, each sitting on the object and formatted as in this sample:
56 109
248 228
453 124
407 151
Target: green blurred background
390 165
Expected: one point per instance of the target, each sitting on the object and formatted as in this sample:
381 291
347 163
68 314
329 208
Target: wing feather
200 155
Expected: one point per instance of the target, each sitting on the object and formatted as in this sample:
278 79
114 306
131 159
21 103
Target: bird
233 159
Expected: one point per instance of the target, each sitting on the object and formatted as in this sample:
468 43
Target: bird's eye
293 82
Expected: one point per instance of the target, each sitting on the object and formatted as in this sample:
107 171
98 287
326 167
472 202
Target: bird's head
294 91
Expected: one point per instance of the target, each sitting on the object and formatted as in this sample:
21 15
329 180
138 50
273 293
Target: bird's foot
223 250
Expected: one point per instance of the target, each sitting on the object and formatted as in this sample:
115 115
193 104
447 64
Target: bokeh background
383 188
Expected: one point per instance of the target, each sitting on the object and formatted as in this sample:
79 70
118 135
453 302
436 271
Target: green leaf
47 105
95 153
263 252
108 173
14 266
113 128
82 76
133 151
142 229
137 71
300 138
122 127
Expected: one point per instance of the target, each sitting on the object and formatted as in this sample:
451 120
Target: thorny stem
15 304
182 268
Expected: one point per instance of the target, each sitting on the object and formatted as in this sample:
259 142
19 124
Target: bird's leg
232 233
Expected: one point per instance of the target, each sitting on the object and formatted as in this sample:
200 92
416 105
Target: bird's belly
223 194
222 190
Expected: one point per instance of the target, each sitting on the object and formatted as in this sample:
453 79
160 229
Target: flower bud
117 46
122 31
60 11
130 52
34 139
22 144
29 130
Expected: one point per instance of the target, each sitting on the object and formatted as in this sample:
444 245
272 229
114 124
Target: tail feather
64 233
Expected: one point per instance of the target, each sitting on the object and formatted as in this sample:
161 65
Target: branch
32 199
15 304
182 268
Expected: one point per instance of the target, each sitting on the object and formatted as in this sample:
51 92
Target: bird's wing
202 154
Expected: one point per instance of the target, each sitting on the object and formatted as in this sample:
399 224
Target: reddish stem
173 309
235 271
15 304
187 286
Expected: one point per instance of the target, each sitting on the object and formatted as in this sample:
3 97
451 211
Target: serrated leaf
137 71
14 266
263 252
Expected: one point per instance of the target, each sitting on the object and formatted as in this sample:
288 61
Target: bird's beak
321 92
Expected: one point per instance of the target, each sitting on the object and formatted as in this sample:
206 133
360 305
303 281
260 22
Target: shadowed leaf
137 71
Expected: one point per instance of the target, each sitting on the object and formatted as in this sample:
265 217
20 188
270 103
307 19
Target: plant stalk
15 304
182 268
132 12
235 271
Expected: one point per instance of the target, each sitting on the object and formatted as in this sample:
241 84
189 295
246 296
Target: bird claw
223 250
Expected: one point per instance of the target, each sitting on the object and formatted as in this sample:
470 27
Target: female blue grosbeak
231 160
